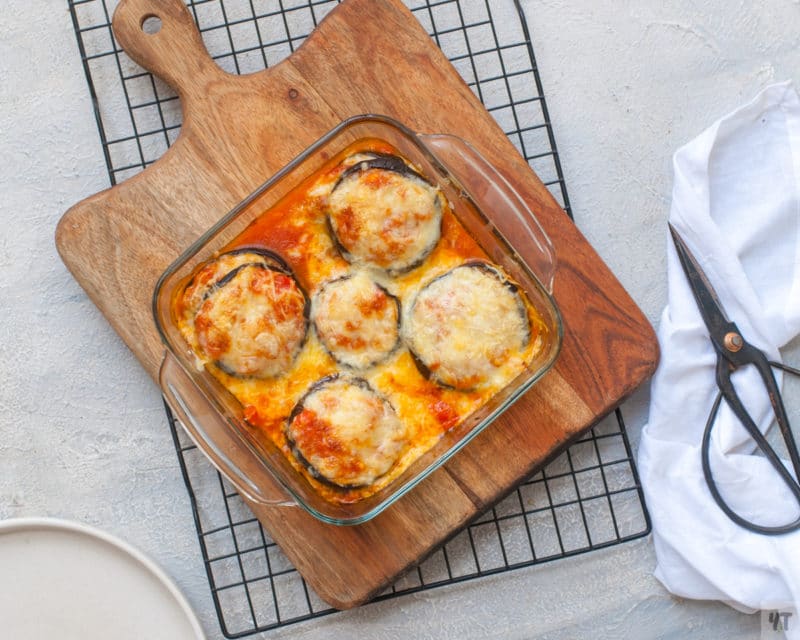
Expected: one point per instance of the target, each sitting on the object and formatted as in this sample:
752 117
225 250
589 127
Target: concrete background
82 428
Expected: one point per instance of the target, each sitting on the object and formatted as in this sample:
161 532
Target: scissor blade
707 299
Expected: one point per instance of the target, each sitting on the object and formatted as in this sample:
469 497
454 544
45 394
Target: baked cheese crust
388 218
357 320
252 322
213 271
346 433
468 326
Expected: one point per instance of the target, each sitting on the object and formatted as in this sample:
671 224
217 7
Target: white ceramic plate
66 580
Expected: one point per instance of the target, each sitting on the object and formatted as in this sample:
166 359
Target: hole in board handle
151 24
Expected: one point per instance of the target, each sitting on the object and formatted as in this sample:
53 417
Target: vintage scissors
734 352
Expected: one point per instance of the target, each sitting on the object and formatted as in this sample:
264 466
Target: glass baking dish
487 207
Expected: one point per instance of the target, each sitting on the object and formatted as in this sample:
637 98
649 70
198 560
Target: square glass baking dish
487 207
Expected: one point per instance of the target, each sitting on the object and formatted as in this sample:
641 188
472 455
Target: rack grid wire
588 498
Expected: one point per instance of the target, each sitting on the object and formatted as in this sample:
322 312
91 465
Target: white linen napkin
736 203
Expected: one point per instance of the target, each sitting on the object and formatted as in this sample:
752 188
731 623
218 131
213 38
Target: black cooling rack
588 498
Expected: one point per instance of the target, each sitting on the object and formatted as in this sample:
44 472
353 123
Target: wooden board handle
161 36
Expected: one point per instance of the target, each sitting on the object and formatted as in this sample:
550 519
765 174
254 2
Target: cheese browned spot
253 322
466 324
345 433
356 320
383 214
215 270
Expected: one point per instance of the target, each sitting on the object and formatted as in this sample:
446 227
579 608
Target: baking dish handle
217 439
490 190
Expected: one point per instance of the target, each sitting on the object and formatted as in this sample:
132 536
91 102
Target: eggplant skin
253 322
270 257
383 213
464 325
385 161
357 320
344 433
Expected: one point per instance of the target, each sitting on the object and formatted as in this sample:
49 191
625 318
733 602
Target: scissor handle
744 354
728 392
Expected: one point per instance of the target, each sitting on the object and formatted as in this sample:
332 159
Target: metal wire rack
587 498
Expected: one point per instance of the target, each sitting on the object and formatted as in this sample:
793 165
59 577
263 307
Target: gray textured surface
82 429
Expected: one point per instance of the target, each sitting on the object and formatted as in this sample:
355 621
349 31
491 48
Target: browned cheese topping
357 320
253 322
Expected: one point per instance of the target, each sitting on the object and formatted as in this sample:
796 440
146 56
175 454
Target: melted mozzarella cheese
347 433
356 319
322 187
384 219
253 323
212 272
466 325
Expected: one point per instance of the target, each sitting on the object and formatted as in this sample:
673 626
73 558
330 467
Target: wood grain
237 132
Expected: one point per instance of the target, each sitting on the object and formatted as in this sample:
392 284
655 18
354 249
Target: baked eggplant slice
383 213
356 320
345 433
465 324
215 270
252 323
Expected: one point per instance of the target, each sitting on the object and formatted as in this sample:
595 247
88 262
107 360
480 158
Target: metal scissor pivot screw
733 342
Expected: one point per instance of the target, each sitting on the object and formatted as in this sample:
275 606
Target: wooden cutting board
366 56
